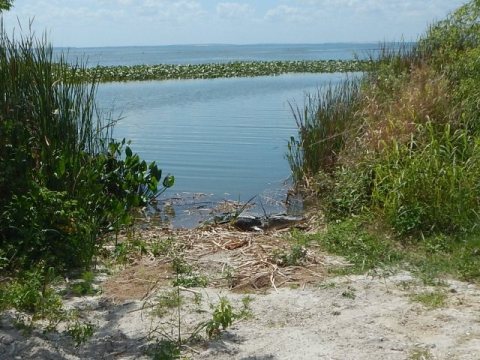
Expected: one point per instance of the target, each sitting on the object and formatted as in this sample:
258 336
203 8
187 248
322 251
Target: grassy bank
401 147
226 70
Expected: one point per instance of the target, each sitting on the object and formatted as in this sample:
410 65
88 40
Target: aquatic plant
221 70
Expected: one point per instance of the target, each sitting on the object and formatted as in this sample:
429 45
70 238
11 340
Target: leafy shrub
223 316
32 293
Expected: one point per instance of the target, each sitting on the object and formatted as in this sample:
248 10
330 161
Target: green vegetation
223 316
431 300
85 285
5 5
226 70
65 183
394 158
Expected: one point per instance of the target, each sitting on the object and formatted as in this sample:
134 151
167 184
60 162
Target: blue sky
164 22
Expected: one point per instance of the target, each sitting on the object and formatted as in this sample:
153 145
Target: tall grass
411 154
50 134
323 124
63 179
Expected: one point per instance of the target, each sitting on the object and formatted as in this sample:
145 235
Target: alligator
263 223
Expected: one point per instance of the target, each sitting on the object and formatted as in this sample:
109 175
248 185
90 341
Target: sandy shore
296 312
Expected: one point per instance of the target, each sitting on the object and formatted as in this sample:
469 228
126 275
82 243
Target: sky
90 23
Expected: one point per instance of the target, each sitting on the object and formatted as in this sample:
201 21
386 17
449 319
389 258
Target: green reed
323 125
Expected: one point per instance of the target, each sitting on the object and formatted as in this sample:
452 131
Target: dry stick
189 290
272 280
147 294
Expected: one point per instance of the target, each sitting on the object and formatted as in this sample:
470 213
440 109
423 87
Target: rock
7 339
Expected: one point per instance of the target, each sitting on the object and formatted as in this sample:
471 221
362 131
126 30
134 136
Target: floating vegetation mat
221 70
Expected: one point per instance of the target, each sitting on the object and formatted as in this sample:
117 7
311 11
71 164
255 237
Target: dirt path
296 312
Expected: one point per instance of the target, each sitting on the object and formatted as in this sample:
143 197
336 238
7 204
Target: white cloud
233 10
108 22
171 11
289 14
392 7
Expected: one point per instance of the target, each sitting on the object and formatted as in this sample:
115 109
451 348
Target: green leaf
128 151
61 166
169 181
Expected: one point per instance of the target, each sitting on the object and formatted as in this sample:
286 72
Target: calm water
221 138
225 137
198 54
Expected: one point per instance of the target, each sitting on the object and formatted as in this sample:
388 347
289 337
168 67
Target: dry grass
422 98
240 261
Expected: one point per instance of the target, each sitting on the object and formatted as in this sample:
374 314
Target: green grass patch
440 255
431 300
367 246
363 249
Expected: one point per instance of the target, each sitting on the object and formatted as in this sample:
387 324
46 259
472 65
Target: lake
217 53
222 139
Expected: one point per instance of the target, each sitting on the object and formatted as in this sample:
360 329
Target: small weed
420 354
162 247
229 275
327 285
197 299
223 316
246 311
180 266
120 253
80 332
191 280
32 293
431 300
186 276
406 284
85 286
349 293
295 256
165 350
167 301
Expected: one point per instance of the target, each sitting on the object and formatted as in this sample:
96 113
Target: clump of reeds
323 125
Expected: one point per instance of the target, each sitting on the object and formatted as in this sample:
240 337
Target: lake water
200 54
222 139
